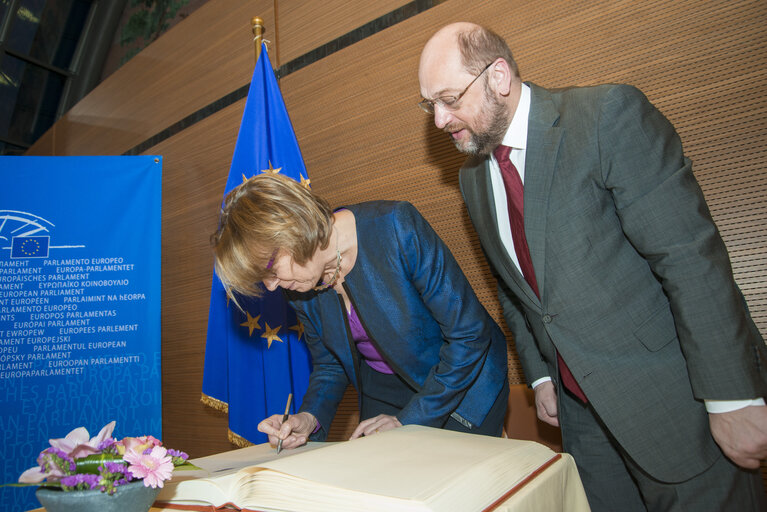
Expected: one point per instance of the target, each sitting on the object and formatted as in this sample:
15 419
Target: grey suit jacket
637 291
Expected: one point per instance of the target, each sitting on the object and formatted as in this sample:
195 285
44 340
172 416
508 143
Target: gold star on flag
306 182
299 328
251 323
271 170
271 335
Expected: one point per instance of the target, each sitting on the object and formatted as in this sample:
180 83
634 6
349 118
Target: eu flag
255 358
30 247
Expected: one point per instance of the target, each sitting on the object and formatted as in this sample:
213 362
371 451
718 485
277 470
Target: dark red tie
515 199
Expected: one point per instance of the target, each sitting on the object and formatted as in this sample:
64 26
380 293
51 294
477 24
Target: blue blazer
422 315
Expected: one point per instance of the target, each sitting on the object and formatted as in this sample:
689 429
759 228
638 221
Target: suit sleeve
327 382
664 215
466 327
533 364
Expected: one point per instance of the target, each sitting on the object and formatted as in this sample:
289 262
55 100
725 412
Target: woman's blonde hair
266 214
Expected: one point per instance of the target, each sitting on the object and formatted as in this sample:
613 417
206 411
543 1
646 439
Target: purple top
368 351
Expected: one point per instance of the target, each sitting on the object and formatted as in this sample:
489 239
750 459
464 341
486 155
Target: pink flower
77 443
36 475
153 467
137 444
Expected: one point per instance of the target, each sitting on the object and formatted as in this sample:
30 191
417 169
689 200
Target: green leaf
91 463
41 484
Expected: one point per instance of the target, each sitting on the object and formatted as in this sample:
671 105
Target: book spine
529 478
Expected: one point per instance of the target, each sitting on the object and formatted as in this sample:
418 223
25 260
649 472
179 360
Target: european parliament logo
30 246
29 235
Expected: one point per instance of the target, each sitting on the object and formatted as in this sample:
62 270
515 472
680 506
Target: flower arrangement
80 462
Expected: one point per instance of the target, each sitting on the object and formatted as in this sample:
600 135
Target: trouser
614 482
382 393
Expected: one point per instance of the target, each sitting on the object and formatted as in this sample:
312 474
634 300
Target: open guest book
411 468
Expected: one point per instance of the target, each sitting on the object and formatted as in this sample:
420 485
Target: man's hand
294 432
546 403
742 434
375 425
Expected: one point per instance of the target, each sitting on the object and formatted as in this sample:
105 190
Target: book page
201 491
411 467
249 456
216 480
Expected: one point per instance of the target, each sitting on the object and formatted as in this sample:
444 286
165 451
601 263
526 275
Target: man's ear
500 77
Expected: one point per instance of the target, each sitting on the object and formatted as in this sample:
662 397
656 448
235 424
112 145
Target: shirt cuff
720 406
540 381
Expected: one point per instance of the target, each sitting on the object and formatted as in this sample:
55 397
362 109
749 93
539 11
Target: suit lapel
543 139
486 224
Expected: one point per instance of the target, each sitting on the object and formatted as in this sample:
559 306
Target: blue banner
79 304
255 358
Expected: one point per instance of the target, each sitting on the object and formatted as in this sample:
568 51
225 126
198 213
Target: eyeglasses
268 272
449 102
270 263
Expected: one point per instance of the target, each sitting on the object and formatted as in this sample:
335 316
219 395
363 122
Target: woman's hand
375 425
294 432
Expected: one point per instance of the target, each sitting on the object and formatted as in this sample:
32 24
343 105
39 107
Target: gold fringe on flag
238 441
214 403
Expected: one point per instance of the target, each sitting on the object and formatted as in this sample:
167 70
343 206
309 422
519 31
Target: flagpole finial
258 31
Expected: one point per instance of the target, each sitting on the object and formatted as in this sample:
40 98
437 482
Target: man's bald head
475 46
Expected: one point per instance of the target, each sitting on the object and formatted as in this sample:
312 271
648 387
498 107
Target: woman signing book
384 306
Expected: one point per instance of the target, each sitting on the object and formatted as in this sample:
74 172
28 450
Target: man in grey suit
616 284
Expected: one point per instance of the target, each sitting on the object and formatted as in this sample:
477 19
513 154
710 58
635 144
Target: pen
284 419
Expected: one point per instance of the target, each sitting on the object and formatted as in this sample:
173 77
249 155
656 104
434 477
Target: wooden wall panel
398 154
702 65
195 169
363 137
203 58
303 25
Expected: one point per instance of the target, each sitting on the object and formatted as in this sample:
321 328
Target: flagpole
258 31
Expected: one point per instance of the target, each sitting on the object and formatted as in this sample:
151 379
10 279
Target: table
555 486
